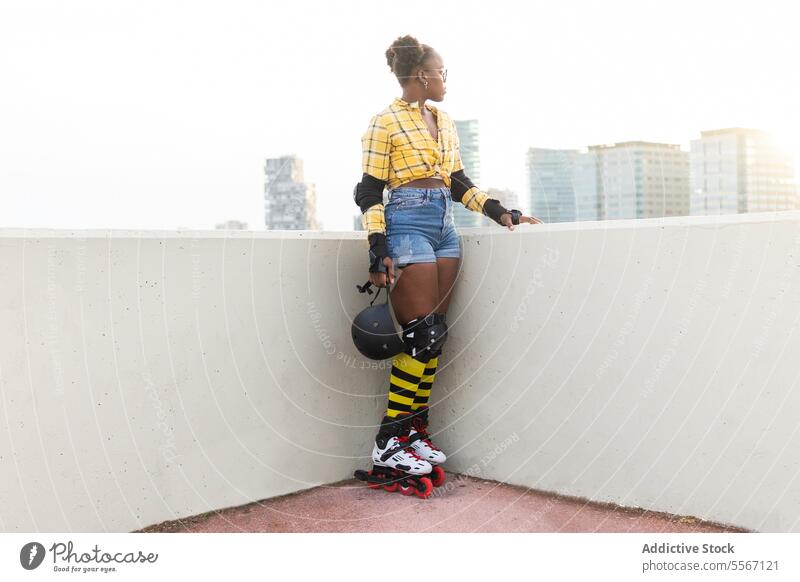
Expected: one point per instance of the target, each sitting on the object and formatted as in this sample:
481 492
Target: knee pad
425 334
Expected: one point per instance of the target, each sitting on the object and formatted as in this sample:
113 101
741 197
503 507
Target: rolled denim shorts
419 226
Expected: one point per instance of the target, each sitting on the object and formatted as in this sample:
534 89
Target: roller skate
422 445
395 465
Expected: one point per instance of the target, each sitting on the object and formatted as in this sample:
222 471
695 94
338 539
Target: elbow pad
368 192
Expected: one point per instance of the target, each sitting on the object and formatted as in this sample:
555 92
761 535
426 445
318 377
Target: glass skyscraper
469 147
551 184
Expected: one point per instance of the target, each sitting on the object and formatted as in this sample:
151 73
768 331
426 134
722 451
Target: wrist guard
515 214
494 210
377 252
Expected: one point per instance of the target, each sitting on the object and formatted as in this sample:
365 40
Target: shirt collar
413 105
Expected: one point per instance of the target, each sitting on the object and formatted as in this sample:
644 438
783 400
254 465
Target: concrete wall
651 364
154 375
149 376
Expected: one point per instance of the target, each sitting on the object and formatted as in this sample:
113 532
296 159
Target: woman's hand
379 279
506 220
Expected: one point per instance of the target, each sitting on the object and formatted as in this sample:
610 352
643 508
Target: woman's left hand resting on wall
506 220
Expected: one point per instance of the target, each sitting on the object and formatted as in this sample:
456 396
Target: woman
411 148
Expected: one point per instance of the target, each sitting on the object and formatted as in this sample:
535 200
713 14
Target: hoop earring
425 82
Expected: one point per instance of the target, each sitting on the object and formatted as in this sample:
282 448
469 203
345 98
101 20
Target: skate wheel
437 476
372 485
407 489
391 487
424 488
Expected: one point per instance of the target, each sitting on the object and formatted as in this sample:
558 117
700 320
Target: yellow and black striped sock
424 388
403 381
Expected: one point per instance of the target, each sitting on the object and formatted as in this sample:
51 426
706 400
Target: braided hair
404 55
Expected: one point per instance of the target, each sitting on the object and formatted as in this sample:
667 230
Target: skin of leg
415 292
448 272
423 288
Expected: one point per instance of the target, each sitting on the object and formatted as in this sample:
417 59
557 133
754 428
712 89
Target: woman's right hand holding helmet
381 271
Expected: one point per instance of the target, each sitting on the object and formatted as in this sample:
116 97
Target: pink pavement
463 504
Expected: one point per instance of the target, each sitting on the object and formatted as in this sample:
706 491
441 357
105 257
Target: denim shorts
419 226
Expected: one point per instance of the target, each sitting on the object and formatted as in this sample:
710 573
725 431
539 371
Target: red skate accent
425 488
437 476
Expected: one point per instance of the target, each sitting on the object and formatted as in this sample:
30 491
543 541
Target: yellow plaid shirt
398 148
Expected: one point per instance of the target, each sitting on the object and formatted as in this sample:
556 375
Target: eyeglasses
442 71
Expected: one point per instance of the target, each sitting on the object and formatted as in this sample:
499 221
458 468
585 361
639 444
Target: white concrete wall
149 376
647 363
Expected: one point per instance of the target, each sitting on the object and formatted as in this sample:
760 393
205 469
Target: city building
586 181
469 148
639 179
633 179
737 170
551 184
289 202
563 185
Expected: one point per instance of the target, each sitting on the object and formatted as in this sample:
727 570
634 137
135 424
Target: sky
159 114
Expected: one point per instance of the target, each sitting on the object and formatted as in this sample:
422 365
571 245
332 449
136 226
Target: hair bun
405 50
404 55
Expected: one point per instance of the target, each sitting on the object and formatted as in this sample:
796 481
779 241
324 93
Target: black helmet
374 332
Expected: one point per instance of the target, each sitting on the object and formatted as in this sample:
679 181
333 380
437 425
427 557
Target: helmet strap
378 293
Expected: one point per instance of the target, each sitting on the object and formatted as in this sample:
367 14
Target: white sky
159 114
